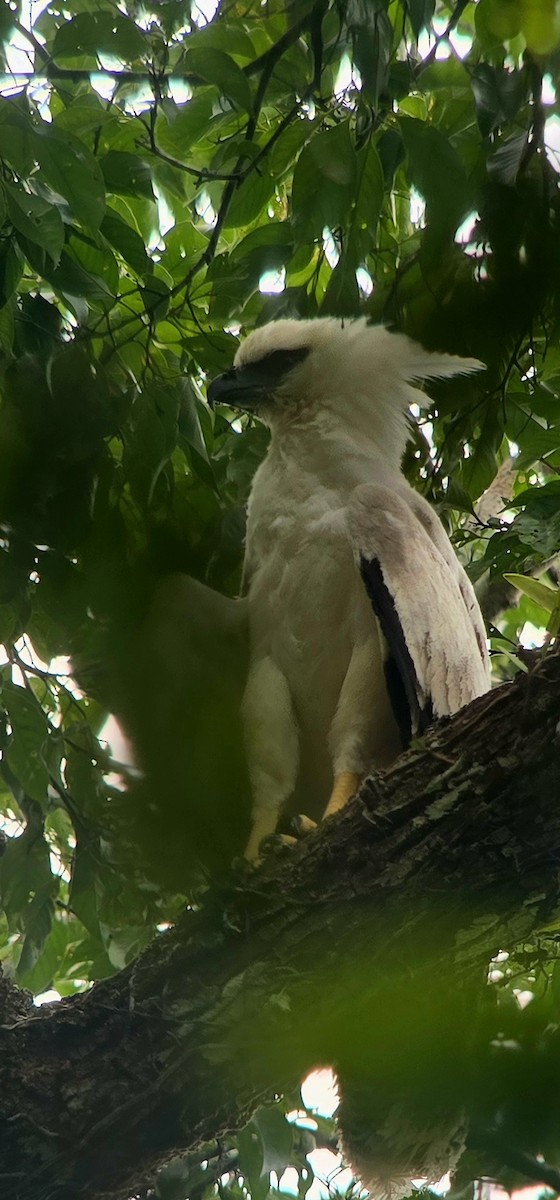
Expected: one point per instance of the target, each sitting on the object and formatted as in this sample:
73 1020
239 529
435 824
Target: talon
263 828
302 825
277 843
345 786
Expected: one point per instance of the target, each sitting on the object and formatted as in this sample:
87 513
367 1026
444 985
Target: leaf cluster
167 182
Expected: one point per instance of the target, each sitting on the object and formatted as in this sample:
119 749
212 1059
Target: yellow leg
345 785
264 825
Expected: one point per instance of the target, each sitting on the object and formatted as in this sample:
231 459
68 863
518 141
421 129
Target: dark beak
241 387
251 386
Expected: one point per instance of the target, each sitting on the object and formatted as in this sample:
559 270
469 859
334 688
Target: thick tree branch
441 861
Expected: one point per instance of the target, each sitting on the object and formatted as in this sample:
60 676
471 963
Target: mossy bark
365 947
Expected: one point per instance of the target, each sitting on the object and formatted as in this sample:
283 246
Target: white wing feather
423 602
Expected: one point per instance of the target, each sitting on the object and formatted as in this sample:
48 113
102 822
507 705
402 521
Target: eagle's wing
180 681
436 656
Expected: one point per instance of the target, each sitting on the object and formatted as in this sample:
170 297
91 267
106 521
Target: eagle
363 625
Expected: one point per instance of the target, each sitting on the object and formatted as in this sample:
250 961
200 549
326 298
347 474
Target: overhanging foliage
367 949
168 181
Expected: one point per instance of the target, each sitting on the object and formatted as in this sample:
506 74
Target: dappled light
384 991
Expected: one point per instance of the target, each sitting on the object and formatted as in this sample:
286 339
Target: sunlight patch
273 282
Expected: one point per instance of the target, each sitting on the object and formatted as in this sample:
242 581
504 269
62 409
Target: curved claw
302 825
277 843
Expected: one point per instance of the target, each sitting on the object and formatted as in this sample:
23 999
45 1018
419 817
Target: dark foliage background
169 178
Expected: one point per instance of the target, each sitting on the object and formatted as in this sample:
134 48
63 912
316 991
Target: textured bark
441 860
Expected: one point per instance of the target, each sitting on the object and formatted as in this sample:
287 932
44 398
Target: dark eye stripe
273 366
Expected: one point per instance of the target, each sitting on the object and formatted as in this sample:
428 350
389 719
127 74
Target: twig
518 1160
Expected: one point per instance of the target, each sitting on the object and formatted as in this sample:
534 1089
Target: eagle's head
345 373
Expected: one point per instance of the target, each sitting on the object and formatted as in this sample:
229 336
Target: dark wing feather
412 710
423 604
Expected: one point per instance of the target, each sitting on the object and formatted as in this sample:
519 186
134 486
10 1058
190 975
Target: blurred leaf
28 751
505 161
420 13
126 174
99 32
373 43
543 595
126 240
324 183
176 134
370 190
73 172
38 922
37 219
214 66
437 171
152 440
17 135
276 1135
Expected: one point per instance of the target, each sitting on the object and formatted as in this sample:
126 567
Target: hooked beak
240 387
252 385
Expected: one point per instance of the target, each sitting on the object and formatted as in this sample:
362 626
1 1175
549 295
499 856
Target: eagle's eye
249 385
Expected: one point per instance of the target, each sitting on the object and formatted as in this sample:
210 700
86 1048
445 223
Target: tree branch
369 952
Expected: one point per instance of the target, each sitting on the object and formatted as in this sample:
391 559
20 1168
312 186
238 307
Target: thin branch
203 174
264 62
492 1143
30 37
275 52
443 37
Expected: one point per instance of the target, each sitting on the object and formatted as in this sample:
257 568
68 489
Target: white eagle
363 624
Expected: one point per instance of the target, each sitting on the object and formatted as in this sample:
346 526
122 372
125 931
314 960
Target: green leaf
543 595
498 95
324 183
17 135
505 161
497 19
152 440
370 190
228 35
11 270
539 525
277 1137
83 899
265 1145
478 471
43 973
28 748
438 173
189 121
126 174
28 888
534 439
72 171
189 420
85 114
249 199
126 240
7 332
191 438
373 44
420 13
100 32
218 68
72 279
270 244
290 142
342 296
37 219
155 297
251 1159
7 19
38 922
